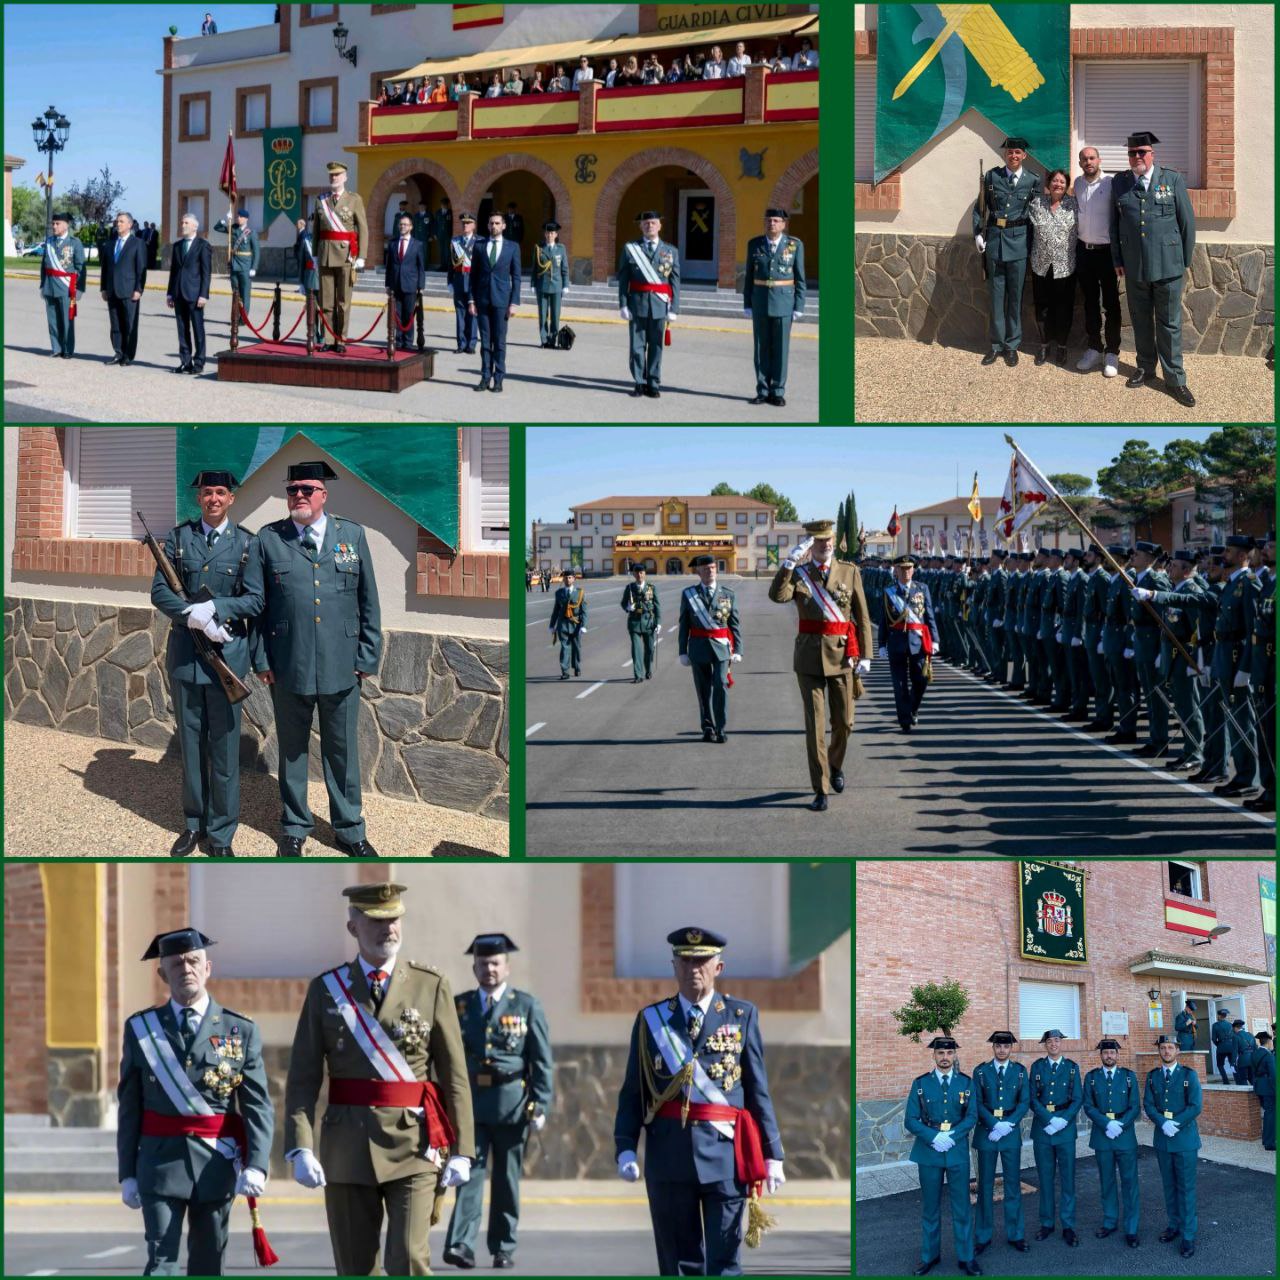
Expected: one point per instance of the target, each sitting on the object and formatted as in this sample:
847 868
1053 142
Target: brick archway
605 255
793 178
387 185
518 160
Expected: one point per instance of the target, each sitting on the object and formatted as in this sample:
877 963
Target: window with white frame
320 101
864 119
1165 92
114 472
1184 878
486 489
197 109
255 111
196 204
1043 1006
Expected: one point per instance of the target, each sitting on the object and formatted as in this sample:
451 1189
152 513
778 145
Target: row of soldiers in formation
1067 632
429 1091
946 1109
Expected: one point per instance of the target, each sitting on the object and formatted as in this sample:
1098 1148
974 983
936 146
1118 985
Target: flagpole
1109 558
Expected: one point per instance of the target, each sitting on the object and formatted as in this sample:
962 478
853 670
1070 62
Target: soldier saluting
1002 235
644 622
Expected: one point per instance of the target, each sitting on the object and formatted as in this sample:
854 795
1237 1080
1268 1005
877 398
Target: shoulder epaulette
424 968
231 1013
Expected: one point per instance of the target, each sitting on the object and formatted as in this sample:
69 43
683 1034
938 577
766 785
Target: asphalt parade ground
707 372
1236 1235
616 769
566 1229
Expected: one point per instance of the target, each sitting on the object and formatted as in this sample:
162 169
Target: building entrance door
699 235
674 565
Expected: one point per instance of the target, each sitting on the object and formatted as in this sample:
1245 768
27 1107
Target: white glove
1159 663
774 1177
796 315
657 631
1170 1129
252 273
1141 593
1128 655
217 632
1001 1130
802 547
1055 1124
631 608
1057 635
1076 642
628 1167
456 1172
981 243
199 614
1114 1128
997 623
735 657
864 666
684 660
1099 649
539 1122
883 652
789 564
307 1170
1242 680
359 264
251 1182
129 1193
943 1143
672 316
625 313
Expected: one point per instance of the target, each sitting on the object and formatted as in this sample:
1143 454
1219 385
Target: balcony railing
757 98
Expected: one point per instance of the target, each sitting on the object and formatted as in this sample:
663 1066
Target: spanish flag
975 503
466 16
1183 917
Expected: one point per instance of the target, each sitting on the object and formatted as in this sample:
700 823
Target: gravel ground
71 796
891 376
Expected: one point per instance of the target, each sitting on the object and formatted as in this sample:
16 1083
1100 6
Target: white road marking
51 1272
536 622
112 1253
586 693
533 728
1198 792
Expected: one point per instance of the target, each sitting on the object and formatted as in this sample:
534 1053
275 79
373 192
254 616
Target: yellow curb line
36 1200
682 327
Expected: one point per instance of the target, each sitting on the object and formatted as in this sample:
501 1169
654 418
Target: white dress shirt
201 1007
317 529
369 968
207 529
1093 201
492 998
704 1004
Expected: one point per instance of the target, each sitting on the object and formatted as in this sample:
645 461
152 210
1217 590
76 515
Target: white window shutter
1043 1006
495 483
864 119
122 470
1116 98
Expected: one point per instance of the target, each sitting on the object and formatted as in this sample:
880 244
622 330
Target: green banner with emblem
771 555
414 468
281 175
575 559
1051 913
1011 62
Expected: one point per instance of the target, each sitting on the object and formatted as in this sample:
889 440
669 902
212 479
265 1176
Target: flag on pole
1025 492
895 524
227 178
975 503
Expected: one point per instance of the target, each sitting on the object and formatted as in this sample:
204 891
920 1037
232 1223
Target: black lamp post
340 34
50 134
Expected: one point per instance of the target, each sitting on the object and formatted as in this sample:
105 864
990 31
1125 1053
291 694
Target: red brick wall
1231 1113
25 1071
926 921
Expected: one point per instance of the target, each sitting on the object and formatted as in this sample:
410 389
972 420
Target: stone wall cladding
931 288
433 720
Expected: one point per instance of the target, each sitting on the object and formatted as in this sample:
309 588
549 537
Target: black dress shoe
183 368
1168 1234
837 780
721 736
653 393
648 675
1187 1248
981 1248
1207 775
186 844
1151 749
1044 1233
819 803
577 671
708 736
635 391
1140 379
497 385
758 400
1103 1232
925 1267
196 370
127 361
289 847
1042 355
635 680
1132 1241
1061 357
356 848
991 357
460 1257
1021 1245
1119 739
969 1268
1069 1238
1265 803
1230 789
778 402
340 348
482 385
1011 358
1184 397
221 851
564 675
502 1261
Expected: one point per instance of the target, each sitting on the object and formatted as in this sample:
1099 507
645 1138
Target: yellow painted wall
74 951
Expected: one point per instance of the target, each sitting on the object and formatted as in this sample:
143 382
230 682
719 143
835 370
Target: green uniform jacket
371 1145
1181 607
644 611
925 1114
723 609
773 284
1008 200
549 272
508 1056
561 622
1262 649
1124 1103
69 257
233 573
245 250
321 622
1153 233
1061 1090
227 1051
1010 1096
1074 587
1183 1099
650 306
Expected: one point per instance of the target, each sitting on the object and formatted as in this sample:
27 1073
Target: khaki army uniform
825 682
336 257
375 1158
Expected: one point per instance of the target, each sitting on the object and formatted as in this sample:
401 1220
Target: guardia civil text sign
1051 913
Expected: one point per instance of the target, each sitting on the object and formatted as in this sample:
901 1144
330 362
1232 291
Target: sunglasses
306 490
1144 151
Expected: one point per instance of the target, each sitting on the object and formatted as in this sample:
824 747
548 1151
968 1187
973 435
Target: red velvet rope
296 323
352 341
244 315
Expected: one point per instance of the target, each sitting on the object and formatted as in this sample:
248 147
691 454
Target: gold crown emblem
1054 899
282 146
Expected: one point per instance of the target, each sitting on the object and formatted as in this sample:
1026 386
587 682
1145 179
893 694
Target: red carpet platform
360 368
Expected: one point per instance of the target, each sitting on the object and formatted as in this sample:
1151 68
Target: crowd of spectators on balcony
630 72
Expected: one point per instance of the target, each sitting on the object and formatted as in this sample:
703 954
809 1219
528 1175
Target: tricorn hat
319 470
224 478
490 944
177 943
942 1042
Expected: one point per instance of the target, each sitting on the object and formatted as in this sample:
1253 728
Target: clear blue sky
99 70
815 467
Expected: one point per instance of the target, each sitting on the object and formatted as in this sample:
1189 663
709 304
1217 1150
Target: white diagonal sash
908 613
820 593
676 1051
699 609
53 262
377 1046
640 260
335 223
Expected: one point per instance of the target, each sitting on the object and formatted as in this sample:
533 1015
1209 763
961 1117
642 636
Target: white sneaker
1109 370
1088 360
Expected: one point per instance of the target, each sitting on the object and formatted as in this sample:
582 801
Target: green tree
1134 483
841 547
1075 488
28 215
934 1006
724 490
785 508
1241 461
852 541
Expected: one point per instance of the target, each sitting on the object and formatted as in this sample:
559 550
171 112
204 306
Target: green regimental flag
771 555
1011 62
819 908
282 175
575 559
1051 911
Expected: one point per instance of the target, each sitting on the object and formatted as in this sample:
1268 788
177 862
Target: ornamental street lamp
340 34
50 133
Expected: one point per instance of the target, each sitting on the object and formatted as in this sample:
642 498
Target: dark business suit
124 273
494 287
190 275
402 278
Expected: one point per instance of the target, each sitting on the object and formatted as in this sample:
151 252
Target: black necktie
309 542
211 537
188 1029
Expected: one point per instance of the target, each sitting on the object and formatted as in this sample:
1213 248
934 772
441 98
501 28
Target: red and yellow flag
975 503
466 16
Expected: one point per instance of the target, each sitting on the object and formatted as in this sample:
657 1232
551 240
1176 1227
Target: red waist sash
716 633
748 1151
395 1093
637 286
816 627
926 637
66 275
350 237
